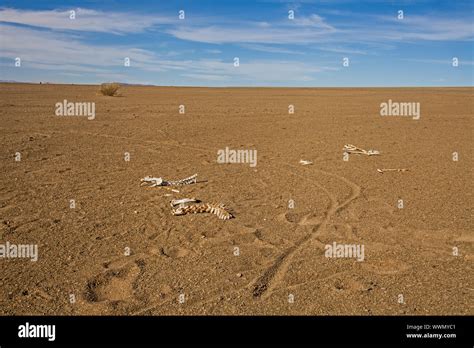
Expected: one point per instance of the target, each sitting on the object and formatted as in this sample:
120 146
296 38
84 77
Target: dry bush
109 89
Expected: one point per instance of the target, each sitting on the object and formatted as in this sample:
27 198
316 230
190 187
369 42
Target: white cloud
314 29
447 62
213 51
53 51
270 49
86 20
343 50
260 71
313 20
51 48
238 34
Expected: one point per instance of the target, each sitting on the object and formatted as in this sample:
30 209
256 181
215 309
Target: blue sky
273 50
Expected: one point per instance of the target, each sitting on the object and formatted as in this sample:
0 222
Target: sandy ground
281 257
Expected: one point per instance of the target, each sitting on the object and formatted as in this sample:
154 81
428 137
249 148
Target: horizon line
124 84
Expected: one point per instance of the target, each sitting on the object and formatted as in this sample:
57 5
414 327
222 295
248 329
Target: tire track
265 284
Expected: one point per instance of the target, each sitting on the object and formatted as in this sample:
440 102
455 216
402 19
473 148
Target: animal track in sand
299 218
175 252
115 284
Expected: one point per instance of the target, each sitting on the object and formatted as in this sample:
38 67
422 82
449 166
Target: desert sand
270 258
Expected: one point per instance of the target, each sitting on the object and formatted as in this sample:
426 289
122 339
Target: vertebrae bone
392 170
153 181
218 209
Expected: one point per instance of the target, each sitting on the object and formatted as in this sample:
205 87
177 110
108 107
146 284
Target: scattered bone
357 150
392 170
182 206
186 181
305 163
170 189
218 209
183 201
153 181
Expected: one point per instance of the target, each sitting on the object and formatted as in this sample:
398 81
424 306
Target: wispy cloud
448 61
343 50
314 21
213 51
51 48
270 35
271 49
315 29
427 28
85 20
261 70
58 52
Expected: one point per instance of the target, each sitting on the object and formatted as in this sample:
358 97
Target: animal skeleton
152 181
218 209
357 150
392 170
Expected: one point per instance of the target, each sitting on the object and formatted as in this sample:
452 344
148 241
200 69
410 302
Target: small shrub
109 89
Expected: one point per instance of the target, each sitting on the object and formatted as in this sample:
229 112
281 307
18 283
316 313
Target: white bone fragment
392 170
183 201
305 163
357 150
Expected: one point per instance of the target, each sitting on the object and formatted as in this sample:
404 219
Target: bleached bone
305 163
186 181
183 201
392 170
153 181
357 150
218 209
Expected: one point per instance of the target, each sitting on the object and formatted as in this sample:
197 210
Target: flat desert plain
117 249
